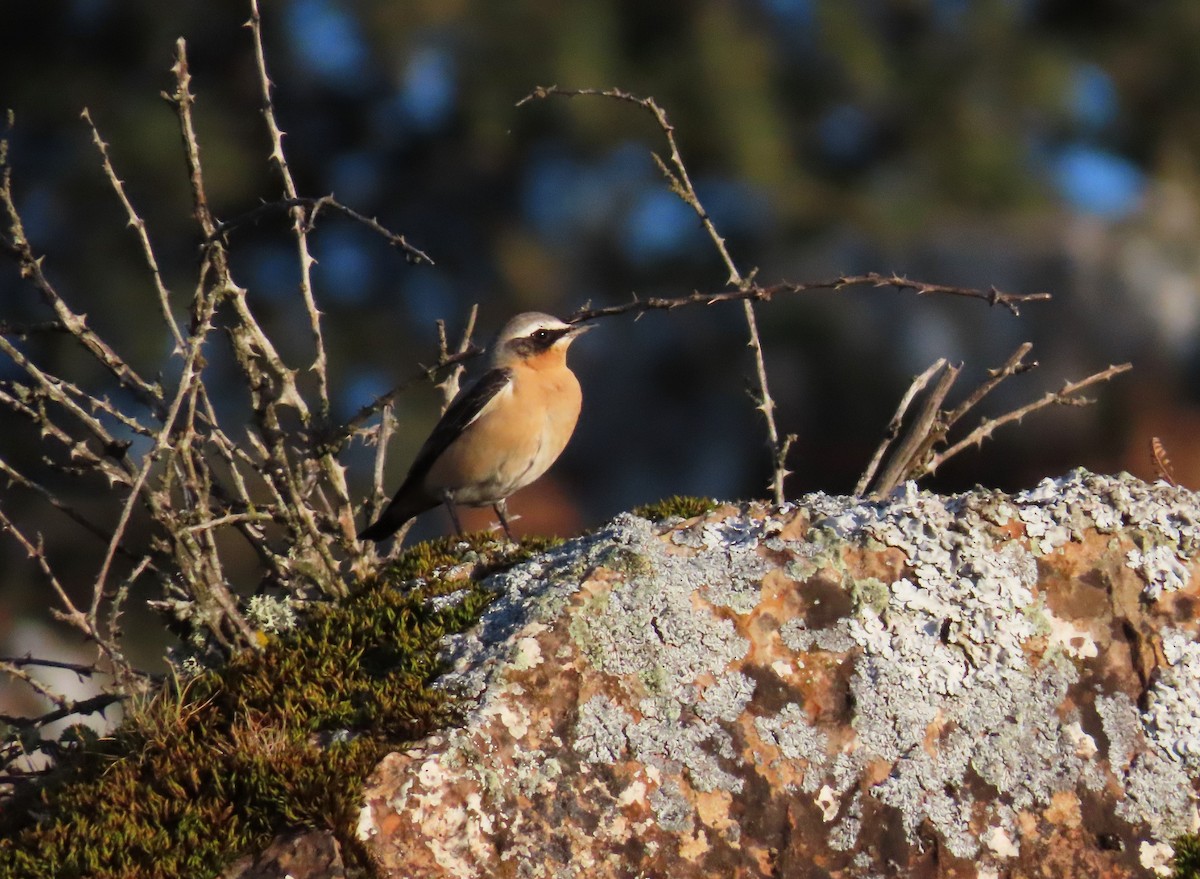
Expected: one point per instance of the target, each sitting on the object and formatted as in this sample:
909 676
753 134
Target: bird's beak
580 329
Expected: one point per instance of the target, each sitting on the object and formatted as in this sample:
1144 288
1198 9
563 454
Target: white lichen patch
1156 856
951 646
1162 569
271 614
1173 703
906 662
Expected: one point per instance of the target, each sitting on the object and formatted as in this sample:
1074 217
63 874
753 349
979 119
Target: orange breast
513 442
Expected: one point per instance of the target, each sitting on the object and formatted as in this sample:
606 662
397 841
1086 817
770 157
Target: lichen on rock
985 683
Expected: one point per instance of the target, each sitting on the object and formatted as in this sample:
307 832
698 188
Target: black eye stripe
539 340
546 335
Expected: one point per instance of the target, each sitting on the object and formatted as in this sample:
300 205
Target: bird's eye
541 335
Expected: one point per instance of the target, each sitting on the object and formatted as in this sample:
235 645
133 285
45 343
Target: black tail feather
393 518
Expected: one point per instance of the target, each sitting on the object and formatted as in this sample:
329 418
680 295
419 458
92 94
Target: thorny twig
342 435
92 705
450 384
139 225
760 293
743 286
412 253
1065 396
299 220
680 183
912 454
335 474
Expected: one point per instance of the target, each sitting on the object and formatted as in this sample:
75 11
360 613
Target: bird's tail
393 518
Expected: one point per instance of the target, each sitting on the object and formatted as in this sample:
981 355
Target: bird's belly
497 456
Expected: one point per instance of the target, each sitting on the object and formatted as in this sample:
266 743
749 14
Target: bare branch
387 425
16 242
55 389
92 705
766 405
23 661
1015 365
341 435
893 430
926 430
450 384
299 220
759 293
22 401
677 174
1064 397
18 670
71 612
412 254
680 183
139 225
74 515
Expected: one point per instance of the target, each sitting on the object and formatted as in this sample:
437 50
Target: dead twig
1162 464
139 226
893 430
17 243
338 437
299 219
93 705
927 429
1066 396
449 386
913 456
680 183
412 254
760 293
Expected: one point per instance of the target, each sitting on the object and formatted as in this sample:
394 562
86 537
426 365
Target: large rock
984 685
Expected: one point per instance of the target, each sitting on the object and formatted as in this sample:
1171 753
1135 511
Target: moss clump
679 506
1187 857
208 769
477 555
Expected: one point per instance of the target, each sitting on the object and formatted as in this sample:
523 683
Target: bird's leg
501 508
448 500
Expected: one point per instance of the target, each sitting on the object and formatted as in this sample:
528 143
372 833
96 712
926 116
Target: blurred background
1034 145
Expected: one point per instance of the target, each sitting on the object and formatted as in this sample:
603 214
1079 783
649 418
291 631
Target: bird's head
533 338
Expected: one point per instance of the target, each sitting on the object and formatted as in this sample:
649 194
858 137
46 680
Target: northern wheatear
501 433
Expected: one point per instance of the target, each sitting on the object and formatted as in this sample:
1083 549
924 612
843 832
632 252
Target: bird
501 433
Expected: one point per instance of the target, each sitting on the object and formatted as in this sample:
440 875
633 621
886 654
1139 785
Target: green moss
680 506
478 554
207 769
1187 857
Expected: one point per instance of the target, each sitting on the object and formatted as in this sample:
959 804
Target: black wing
465 409
458 417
